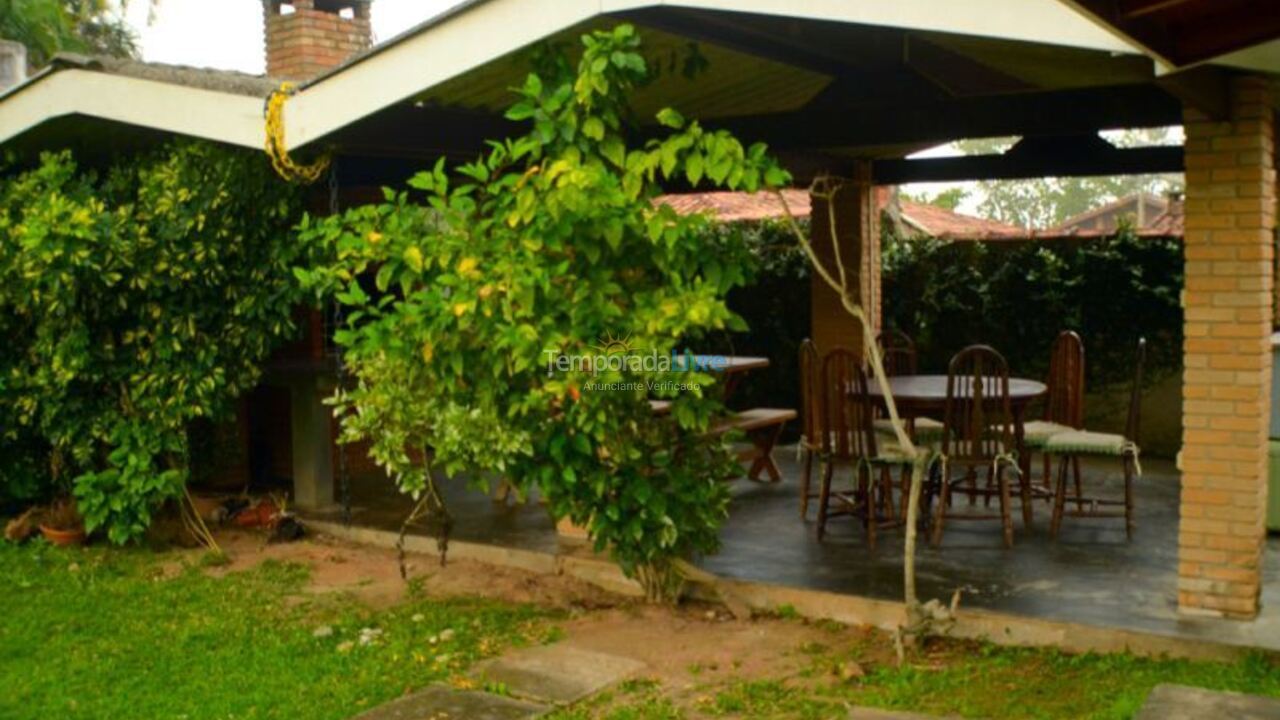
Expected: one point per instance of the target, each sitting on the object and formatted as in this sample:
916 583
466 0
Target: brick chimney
304 38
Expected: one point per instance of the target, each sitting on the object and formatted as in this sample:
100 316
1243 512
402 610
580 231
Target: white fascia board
1039 21
467 40
489 30
182 110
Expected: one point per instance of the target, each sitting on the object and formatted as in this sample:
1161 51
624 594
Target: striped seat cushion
1037 432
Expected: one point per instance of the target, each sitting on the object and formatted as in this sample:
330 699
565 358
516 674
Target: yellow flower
428 352
413 256
460 309
467 267
374 237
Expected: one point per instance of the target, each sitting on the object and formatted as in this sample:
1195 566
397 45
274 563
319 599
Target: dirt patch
372 574
702 643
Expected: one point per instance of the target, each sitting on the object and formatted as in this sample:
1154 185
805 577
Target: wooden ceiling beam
1049 113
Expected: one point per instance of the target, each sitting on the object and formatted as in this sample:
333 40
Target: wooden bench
762 427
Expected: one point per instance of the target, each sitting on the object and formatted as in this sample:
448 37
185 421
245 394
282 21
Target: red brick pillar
1230 225
857 230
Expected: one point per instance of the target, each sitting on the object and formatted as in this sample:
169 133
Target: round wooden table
926 395
918 395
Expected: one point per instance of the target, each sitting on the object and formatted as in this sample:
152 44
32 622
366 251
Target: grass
93 633
954 678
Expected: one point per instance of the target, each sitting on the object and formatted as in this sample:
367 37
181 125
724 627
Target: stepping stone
1178 702
441 702
557 674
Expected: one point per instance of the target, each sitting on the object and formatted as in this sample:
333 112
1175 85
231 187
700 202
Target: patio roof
865 80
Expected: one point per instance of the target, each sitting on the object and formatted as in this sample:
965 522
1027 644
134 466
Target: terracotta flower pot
62 538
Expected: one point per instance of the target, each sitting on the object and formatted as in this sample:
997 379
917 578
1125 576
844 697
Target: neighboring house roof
929 220
1136 208
440 61
1161 217
228 81
210 104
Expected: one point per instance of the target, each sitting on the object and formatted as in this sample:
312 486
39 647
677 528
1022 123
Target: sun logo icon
610 345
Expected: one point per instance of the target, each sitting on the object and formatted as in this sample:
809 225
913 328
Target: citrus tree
134 301
471 297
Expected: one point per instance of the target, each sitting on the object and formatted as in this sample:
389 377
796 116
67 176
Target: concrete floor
1090 575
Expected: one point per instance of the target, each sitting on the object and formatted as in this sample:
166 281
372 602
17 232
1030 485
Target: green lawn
94 633
118 634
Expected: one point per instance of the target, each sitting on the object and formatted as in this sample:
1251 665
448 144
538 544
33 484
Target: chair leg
1075 469
940 515
1024 491
1006 513
824 497
1047 480
805 475
1128 497
1059 498
986 497
868 491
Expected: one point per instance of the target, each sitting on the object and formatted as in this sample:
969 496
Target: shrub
547 246
135 300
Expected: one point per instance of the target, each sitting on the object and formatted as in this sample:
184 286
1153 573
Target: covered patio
847 90
1090 576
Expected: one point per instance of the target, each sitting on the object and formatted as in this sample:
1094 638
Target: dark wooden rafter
1034 157
957 73
1185 32
885 78
1052 113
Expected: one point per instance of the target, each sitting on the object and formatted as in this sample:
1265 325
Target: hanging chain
340 365
278 150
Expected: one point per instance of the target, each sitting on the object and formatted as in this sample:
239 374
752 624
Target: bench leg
764 439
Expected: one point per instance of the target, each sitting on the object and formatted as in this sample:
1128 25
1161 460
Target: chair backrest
898 352
1065 402
977 416
847 431
810 393
1133 426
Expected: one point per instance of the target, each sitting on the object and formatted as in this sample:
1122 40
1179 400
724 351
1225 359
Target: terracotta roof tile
929 219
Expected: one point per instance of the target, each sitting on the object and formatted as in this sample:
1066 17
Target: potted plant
62 524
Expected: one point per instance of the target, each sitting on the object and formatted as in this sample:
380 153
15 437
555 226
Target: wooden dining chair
977 436
897 353
1064 402
898 356
849 441
1070 446
810 418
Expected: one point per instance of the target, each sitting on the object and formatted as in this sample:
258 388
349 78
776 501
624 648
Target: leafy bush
550 246
135 300
1017 297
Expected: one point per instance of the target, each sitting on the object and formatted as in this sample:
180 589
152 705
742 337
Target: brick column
1230 224
857 229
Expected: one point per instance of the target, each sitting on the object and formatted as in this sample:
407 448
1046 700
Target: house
1144 212
846 89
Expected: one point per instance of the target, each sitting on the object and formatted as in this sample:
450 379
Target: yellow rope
278 151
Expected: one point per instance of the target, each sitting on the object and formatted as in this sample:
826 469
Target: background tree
47 27
1045 202
547 247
